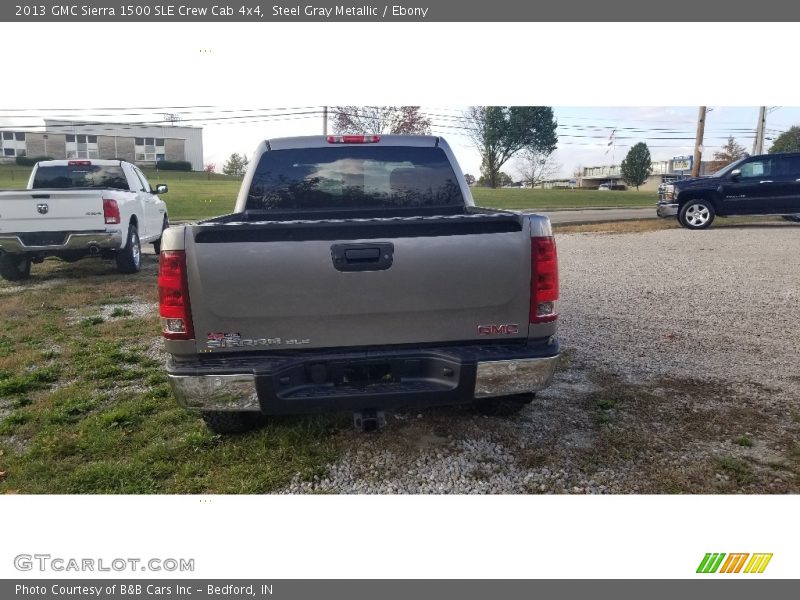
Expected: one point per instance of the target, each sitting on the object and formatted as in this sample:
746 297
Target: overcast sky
584 132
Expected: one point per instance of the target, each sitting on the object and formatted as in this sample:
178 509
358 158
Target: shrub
29 161
173 165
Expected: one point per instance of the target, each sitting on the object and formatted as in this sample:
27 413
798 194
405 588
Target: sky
584 132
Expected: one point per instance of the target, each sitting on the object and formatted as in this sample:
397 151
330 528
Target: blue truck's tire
696 214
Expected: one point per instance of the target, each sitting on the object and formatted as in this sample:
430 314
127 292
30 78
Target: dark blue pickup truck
767 184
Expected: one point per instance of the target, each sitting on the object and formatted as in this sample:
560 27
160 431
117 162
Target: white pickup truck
77 208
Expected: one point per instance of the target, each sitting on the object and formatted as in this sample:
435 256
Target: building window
12 143
82 146
149 149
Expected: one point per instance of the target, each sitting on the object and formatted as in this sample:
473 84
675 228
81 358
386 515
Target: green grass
739 469
85 406
193 195
744 441
516 199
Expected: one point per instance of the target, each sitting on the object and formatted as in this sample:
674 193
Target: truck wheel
157 243
696 214
129 259
15 267
503 406
230 422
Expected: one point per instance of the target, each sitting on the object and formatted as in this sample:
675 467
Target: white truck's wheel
129 259
15 267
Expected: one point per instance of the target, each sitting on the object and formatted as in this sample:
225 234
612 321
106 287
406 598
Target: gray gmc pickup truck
356 274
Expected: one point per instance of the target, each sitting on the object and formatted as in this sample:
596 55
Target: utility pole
758 143
324 120
698 142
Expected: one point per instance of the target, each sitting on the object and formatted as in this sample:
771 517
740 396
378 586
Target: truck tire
15 267
696 214
226 422
129 259
503 406
157 243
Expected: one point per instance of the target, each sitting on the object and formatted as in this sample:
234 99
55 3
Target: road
597 215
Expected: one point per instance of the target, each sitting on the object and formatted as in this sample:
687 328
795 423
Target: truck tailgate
435 279
51 210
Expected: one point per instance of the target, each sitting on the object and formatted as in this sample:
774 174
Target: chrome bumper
74 241
508 377
666 209
239 393
216 392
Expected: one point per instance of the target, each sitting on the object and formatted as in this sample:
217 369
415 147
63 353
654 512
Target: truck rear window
80 176
354 177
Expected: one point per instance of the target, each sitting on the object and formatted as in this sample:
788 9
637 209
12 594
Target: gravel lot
679 376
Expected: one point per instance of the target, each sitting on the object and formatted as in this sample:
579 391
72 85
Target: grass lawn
195 196
85 406
516 199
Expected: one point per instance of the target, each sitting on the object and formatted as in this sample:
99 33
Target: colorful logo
734 563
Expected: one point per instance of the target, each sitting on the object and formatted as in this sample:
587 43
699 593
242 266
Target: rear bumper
666 209
65 241
405 378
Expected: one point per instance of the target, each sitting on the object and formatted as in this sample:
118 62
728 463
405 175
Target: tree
577 175
502 179
637 166
236 165
499 132
210 168
535 166
377 120
729 153
470 179
788 141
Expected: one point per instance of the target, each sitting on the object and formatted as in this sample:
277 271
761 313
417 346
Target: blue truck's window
350 176
80 176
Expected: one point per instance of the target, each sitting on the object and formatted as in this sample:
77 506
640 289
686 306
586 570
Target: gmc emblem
498 329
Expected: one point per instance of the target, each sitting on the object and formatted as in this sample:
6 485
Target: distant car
767 184
604 188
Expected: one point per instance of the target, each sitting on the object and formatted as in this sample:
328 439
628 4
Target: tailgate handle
362 257
40 196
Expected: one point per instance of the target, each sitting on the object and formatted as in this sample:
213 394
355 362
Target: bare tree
535 166
730 152
577 175
377 120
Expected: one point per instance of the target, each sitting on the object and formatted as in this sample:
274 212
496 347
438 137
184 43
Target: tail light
173 296
544 279
79 163
111 212
353 139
